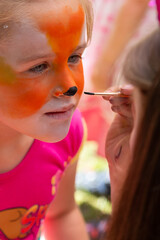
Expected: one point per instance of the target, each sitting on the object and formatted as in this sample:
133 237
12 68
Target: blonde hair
87 6
11 12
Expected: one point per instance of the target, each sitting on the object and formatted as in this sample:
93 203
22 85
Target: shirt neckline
12 172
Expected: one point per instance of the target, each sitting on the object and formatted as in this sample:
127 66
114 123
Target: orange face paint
64 36
22 97
7 75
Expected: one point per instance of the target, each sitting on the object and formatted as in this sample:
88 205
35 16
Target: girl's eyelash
39 68
43 67
35 71
74 58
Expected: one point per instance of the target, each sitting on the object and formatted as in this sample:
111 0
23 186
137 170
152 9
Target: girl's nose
71 91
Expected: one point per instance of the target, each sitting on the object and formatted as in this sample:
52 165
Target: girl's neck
8 135
13 148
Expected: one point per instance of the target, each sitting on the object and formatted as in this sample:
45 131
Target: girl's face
40 62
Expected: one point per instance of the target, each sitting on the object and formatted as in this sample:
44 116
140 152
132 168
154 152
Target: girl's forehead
27 38
54 9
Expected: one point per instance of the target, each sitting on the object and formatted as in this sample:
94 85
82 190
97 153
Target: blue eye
74 59
39 68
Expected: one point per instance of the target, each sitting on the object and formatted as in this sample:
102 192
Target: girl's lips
62 114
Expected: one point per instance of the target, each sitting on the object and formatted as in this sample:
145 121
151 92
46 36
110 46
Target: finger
113 89
109 90
127 89
119 100
123 110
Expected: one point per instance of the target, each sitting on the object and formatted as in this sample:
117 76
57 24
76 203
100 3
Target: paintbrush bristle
89 93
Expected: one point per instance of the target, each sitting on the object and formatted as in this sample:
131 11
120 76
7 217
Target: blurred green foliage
90 160
93 207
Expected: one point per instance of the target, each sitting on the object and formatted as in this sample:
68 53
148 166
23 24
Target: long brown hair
137 215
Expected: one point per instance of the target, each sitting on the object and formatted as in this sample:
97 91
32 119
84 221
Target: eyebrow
51 55
35 57
82 46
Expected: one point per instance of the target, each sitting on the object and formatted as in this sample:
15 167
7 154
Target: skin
26 95
41 69
58 41
122 135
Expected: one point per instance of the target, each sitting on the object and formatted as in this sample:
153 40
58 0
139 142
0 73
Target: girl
41 132
136 209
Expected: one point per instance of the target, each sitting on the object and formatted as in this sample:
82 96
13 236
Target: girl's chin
55 135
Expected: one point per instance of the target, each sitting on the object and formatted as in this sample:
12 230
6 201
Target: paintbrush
107 94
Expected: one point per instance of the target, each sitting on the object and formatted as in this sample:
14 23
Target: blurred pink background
95 110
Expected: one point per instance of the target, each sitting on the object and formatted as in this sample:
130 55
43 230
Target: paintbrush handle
109 94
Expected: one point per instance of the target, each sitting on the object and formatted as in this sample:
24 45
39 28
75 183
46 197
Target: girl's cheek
24 98
7 75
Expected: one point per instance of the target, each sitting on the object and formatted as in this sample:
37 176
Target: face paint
64 36
21 97
7 75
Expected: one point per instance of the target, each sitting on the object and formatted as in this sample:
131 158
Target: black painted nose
71 91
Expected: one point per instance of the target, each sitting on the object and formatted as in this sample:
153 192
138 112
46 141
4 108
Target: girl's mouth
63 114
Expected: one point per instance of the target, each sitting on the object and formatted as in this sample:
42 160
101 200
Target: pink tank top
27 190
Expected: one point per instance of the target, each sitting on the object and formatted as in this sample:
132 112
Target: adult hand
117 142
